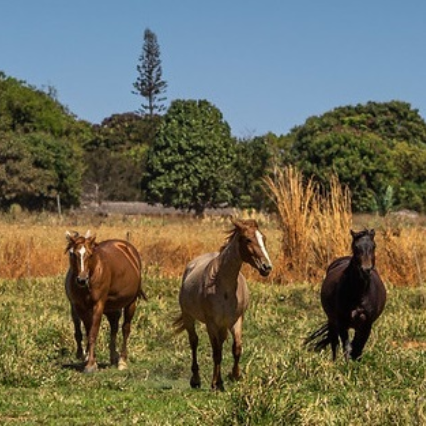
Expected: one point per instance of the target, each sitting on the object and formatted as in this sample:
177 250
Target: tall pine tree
149 83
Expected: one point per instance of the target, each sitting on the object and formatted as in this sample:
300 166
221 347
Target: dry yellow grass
33 249
308 233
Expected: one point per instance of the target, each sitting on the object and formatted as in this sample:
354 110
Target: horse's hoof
122 365
234 377
218 387
195 384
90 369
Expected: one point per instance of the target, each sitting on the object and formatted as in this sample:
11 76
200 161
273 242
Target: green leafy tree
410 189
25 109
360 144
149 83
191 163
41 147
35 168
254 161
115 157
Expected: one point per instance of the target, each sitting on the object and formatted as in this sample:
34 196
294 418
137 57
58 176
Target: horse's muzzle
367 270
265 269
83 281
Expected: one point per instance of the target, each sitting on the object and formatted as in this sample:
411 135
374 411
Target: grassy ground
41 383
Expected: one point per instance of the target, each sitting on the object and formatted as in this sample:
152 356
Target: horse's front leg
97 312
237 331
78 335
360 339
217 337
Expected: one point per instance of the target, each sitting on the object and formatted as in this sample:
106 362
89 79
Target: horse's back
195 275
378 292
122 271
332 279
196 267
341 263
120 251
193 282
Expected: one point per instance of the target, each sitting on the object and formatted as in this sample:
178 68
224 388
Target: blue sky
267 65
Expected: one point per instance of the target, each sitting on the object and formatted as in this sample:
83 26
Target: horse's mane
230 235
251 223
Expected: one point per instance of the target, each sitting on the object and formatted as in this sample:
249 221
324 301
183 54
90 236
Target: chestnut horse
352 296
103 278
215 292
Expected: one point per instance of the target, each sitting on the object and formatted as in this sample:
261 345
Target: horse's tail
178 325
319 339
141 293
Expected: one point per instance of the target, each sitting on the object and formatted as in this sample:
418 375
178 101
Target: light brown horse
103 278
215 292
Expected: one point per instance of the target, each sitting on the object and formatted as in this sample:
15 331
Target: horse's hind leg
333 338
346 344
217 337
237 331
189 324
129 312
359 341
113 319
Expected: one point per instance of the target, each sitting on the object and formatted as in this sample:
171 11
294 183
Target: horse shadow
79 366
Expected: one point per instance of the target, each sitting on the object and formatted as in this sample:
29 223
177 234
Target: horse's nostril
266 269
367 269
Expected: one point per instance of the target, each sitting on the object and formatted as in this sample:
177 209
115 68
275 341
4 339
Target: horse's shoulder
341 263
199 264
378 283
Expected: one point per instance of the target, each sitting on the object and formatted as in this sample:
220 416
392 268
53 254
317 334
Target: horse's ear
372 233
71 237
353 233
91 239
235 221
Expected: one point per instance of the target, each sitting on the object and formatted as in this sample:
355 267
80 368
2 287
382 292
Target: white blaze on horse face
82 251
259 237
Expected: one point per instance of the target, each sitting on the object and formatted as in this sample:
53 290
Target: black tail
319 339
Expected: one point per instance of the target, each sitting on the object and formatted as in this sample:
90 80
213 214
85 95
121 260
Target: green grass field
41 382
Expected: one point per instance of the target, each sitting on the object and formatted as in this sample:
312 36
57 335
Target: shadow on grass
79 366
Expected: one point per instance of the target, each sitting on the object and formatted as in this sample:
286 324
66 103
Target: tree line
187 158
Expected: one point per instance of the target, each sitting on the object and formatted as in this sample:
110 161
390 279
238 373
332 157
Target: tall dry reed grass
315 229
314 224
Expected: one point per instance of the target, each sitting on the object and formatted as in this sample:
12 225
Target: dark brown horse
353 296
214 292
103 278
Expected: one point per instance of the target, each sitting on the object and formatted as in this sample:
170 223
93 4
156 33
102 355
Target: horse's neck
229 264
359 282
95 267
